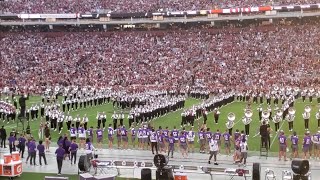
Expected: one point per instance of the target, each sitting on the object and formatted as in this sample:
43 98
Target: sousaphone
230 122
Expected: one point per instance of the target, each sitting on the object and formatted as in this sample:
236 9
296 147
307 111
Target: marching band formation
144 107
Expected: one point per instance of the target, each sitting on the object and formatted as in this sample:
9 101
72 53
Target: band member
68 120
183 118
310 94
153 140
110 136
306 117
130 118
205 115
247 120
307 145
63 106
260 112
244 151
283 146
227 143
290 118
115 119
121 117
268 97
303 95
171 142
214 148
60 122
261 97
42 106
294 145
216 114
277 119
99 119
85 121
318 118
77 121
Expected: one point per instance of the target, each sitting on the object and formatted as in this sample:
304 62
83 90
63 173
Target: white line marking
275 137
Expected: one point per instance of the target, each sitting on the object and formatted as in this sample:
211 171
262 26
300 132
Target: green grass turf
41 176
174 119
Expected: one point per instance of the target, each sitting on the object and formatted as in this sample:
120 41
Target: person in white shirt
244 151
190 136
214 149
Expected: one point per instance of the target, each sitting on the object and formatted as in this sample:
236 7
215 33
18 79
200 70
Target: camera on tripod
164 172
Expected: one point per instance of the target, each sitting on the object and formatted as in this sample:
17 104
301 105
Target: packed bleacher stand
83 6
216 58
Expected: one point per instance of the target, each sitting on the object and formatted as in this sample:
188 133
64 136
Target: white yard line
275 137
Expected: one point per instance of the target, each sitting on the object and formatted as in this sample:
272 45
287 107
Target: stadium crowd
235 58
82 6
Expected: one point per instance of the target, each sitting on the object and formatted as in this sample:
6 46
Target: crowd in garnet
82 6
234 58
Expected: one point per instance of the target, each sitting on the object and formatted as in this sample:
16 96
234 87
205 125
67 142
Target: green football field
174 119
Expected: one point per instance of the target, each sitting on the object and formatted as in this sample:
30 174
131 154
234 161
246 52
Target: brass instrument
278 116
307 110
318 114
265 116
247 117
230 122
291 114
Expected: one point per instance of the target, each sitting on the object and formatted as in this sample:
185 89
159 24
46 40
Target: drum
15 156
180 176
7 158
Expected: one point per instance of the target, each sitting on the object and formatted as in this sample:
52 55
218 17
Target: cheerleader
82 136
110 136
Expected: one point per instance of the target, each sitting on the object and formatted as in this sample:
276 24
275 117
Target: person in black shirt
3 136
264 135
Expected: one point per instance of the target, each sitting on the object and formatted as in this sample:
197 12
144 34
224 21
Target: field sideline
174 119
